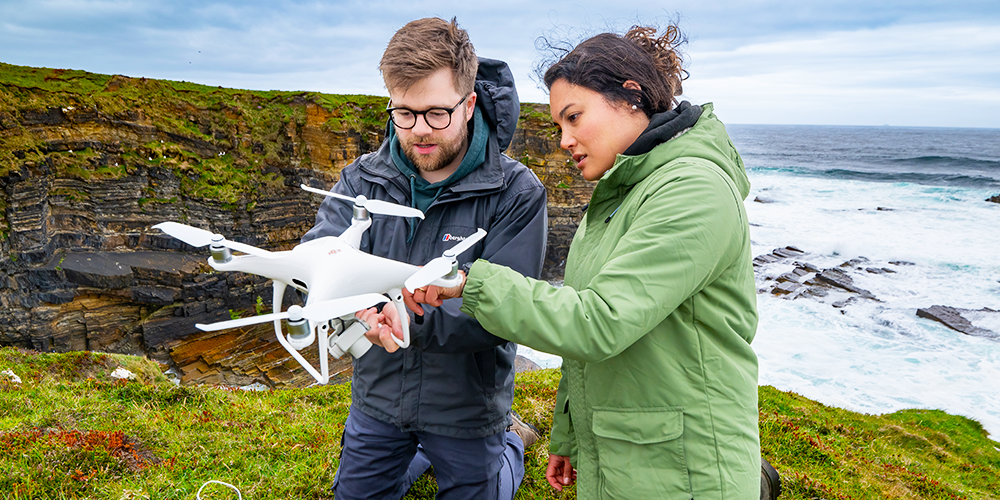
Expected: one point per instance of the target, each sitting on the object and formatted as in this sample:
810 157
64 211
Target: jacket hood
497 98
707 139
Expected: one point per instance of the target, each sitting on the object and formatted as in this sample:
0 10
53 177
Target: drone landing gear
336 337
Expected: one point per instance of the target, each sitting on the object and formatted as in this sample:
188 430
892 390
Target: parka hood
497 98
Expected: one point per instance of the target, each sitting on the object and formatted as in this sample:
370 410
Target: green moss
53 80
829 452
216 179
69 194
354 112
256 129
68 430
538 117
84 165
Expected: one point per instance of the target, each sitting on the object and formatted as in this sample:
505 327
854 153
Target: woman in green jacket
658 396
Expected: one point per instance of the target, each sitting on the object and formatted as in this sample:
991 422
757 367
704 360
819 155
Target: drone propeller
373 206
316 312
199 237
443 265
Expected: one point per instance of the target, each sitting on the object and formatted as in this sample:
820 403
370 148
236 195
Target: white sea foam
879 357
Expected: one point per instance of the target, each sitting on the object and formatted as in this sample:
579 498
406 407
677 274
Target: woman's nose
567 141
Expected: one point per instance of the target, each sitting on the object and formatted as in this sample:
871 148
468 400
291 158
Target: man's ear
470 106
631 85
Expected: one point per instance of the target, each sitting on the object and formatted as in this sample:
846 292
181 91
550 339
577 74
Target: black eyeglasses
436 118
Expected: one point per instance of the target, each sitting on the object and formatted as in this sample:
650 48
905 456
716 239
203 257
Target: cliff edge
89 162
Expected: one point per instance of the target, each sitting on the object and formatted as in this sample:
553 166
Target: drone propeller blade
434 269
236 323
373 206
467 244
386 208
191 235
316 312
329 309
326 193
199 237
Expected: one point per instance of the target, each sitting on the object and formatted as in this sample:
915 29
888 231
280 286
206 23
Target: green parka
658 396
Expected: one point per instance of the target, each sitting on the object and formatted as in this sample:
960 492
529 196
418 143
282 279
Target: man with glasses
446 400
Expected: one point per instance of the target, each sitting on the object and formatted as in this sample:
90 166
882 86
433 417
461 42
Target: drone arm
352 235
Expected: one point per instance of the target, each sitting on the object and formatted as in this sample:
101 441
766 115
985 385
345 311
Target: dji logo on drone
451 237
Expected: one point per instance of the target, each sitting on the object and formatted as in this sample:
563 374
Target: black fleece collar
664 126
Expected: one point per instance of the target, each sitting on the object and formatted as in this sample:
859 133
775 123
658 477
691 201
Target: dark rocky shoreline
785 273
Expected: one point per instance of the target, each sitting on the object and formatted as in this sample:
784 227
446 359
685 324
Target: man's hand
559 472
382 326
432 295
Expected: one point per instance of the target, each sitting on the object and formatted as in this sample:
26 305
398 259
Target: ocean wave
955 162
928 178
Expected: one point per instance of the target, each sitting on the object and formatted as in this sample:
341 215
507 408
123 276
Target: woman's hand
382 326
432 295
559 472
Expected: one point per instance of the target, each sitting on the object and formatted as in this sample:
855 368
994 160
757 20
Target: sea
909 200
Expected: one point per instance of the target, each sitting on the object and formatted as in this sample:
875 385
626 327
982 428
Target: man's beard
446 152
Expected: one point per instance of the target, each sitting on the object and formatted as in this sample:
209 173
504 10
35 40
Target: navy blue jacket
456 379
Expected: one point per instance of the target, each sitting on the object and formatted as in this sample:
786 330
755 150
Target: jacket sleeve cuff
564 449
474 281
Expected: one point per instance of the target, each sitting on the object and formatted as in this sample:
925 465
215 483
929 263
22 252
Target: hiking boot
527 432
770 481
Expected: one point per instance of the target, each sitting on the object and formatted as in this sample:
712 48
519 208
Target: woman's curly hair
603 63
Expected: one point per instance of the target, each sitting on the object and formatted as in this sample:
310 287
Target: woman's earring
634 107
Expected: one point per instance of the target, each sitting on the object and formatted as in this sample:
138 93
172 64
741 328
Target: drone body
338 278
309 266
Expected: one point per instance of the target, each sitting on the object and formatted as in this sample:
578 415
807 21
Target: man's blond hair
423 47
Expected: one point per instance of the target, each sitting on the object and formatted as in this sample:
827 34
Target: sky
845 62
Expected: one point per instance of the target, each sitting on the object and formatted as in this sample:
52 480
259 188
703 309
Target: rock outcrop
88 163
834 285
240 357
784 273
957 319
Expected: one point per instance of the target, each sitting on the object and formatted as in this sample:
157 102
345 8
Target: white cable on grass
238 494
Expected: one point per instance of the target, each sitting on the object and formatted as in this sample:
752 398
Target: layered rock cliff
88 163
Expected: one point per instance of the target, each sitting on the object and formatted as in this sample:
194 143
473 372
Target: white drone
338 279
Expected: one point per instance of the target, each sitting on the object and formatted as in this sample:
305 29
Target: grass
69 431
831 453
252 131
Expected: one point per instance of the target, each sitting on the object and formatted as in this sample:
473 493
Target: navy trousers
381 461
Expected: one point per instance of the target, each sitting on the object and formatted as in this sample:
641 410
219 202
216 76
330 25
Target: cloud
866 77
748 57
